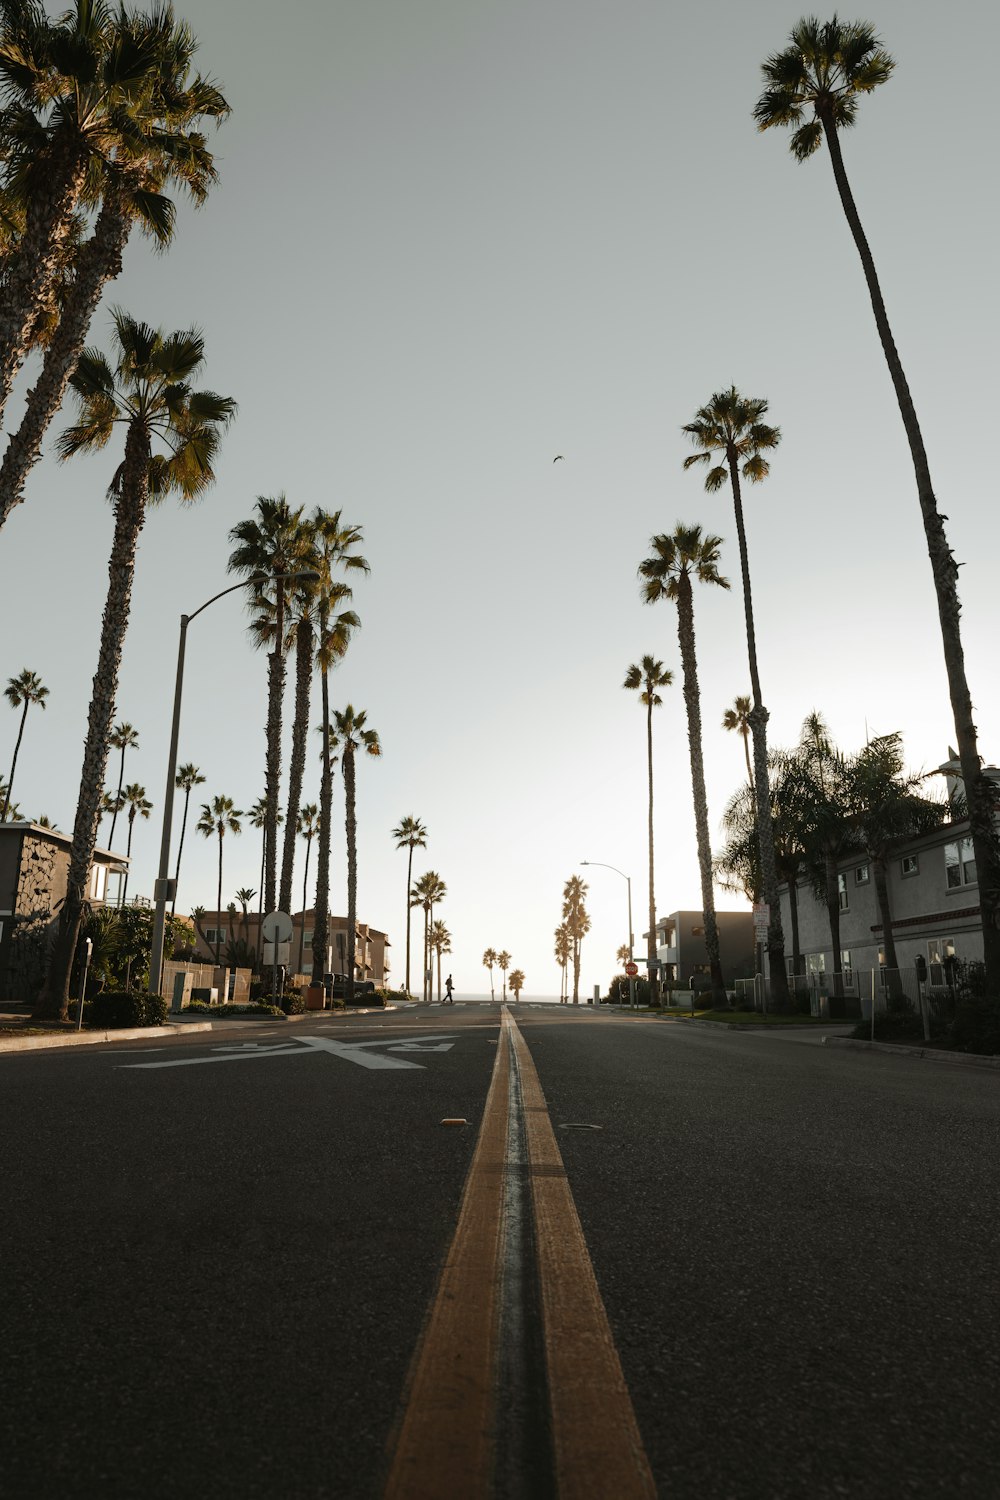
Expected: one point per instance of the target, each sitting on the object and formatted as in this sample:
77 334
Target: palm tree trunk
272 779
833 913
576 970
218 909
745 737
118 798
692 703
352 864
32 266
130 512
978 791
321 924
439 974
297 765
652 970
98 262
305 889
128 858
409 912
885 912
180 849
760 781
13 764
793 918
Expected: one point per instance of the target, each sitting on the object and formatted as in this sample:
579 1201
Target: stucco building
371 958
680 946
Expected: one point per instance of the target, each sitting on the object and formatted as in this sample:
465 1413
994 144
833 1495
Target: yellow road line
445 1446
597 1447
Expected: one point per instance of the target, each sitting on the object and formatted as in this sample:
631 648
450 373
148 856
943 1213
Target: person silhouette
449 998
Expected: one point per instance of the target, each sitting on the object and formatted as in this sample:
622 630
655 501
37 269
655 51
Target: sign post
761 922
276 928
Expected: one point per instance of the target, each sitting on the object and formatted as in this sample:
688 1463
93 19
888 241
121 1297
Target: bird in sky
557 458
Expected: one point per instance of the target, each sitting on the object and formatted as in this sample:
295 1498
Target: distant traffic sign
631 970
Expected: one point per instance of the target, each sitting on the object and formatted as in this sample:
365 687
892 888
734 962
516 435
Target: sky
452 239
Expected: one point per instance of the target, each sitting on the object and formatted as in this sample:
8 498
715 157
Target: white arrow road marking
302 1046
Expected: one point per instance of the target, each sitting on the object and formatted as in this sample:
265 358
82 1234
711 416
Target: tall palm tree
353 735
737 719
577 922
815 84
503 964
411 834
731 429
21 692
123 737
138 806
428 890
516 982
149 393
244 896
333 549
100 99
308 825
440 942
128 185
563 949
645 677
268 546
219 817
188 777
257 818
667 575
826 826
489 959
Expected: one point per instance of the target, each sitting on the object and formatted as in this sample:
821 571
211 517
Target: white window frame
911 859
964 857
218 935
846 968
862 875
842 895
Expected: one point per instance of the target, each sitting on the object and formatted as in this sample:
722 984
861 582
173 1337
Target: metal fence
927 995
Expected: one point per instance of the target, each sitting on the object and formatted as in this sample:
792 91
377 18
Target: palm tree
308 824
21 692
516 981
333 548
219 817
244 896
123 737
622 955
411 834
12 810
577 922
489 959
738 718
138 806
188 777
99 101
825 70
440 942
257 818
503 964
428 890
731 429
353 736
644 678
266 547
128 184
149 393
826 825
667 575
563 949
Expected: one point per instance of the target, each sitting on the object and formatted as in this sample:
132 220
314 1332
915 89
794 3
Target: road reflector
454 1122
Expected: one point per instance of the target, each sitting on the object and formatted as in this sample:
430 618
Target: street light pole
631 935
162 888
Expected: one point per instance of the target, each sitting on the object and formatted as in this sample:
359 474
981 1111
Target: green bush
292 1003
390 997
976 1027
127 1008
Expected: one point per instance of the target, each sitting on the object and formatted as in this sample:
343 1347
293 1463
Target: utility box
182 990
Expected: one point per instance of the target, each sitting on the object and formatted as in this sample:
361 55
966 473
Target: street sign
631 970
761 919
277 927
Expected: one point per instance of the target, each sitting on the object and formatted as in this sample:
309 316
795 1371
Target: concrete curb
88 1038
757 1030
929 1054
179 1028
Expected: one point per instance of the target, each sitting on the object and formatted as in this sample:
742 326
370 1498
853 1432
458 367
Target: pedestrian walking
449 998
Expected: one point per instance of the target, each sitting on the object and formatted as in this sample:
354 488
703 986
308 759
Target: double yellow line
446 1444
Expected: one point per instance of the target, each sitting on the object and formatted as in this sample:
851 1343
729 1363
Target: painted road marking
305 1046
447 1436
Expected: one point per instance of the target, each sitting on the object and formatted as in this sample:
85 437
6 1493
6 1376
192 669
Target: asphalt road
215 1275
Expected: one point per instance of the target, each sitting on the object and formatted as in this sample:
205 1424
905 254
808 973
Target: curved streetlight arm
163 875
628 881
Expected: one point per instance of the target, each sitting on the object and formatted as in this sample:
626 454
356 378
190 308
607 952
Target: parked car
364 989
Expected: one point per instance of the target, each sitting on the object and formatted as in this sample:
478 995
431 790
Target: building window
940 960
862 875
98 882
697 932
847 968
909 865
959 864
216 935
815 963
842 892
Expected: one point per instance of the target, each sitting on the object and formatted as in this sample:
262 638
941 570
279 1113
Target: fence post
873 1005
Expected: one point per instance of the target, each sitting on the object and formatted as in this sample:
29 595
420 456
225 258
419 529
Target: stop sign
631 970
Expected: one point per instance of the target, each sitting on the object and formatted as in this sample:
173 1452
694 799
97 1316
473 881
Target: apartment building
371 959
681 950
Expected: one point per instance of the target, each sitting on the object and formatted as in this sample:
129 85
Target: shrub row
113 1008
